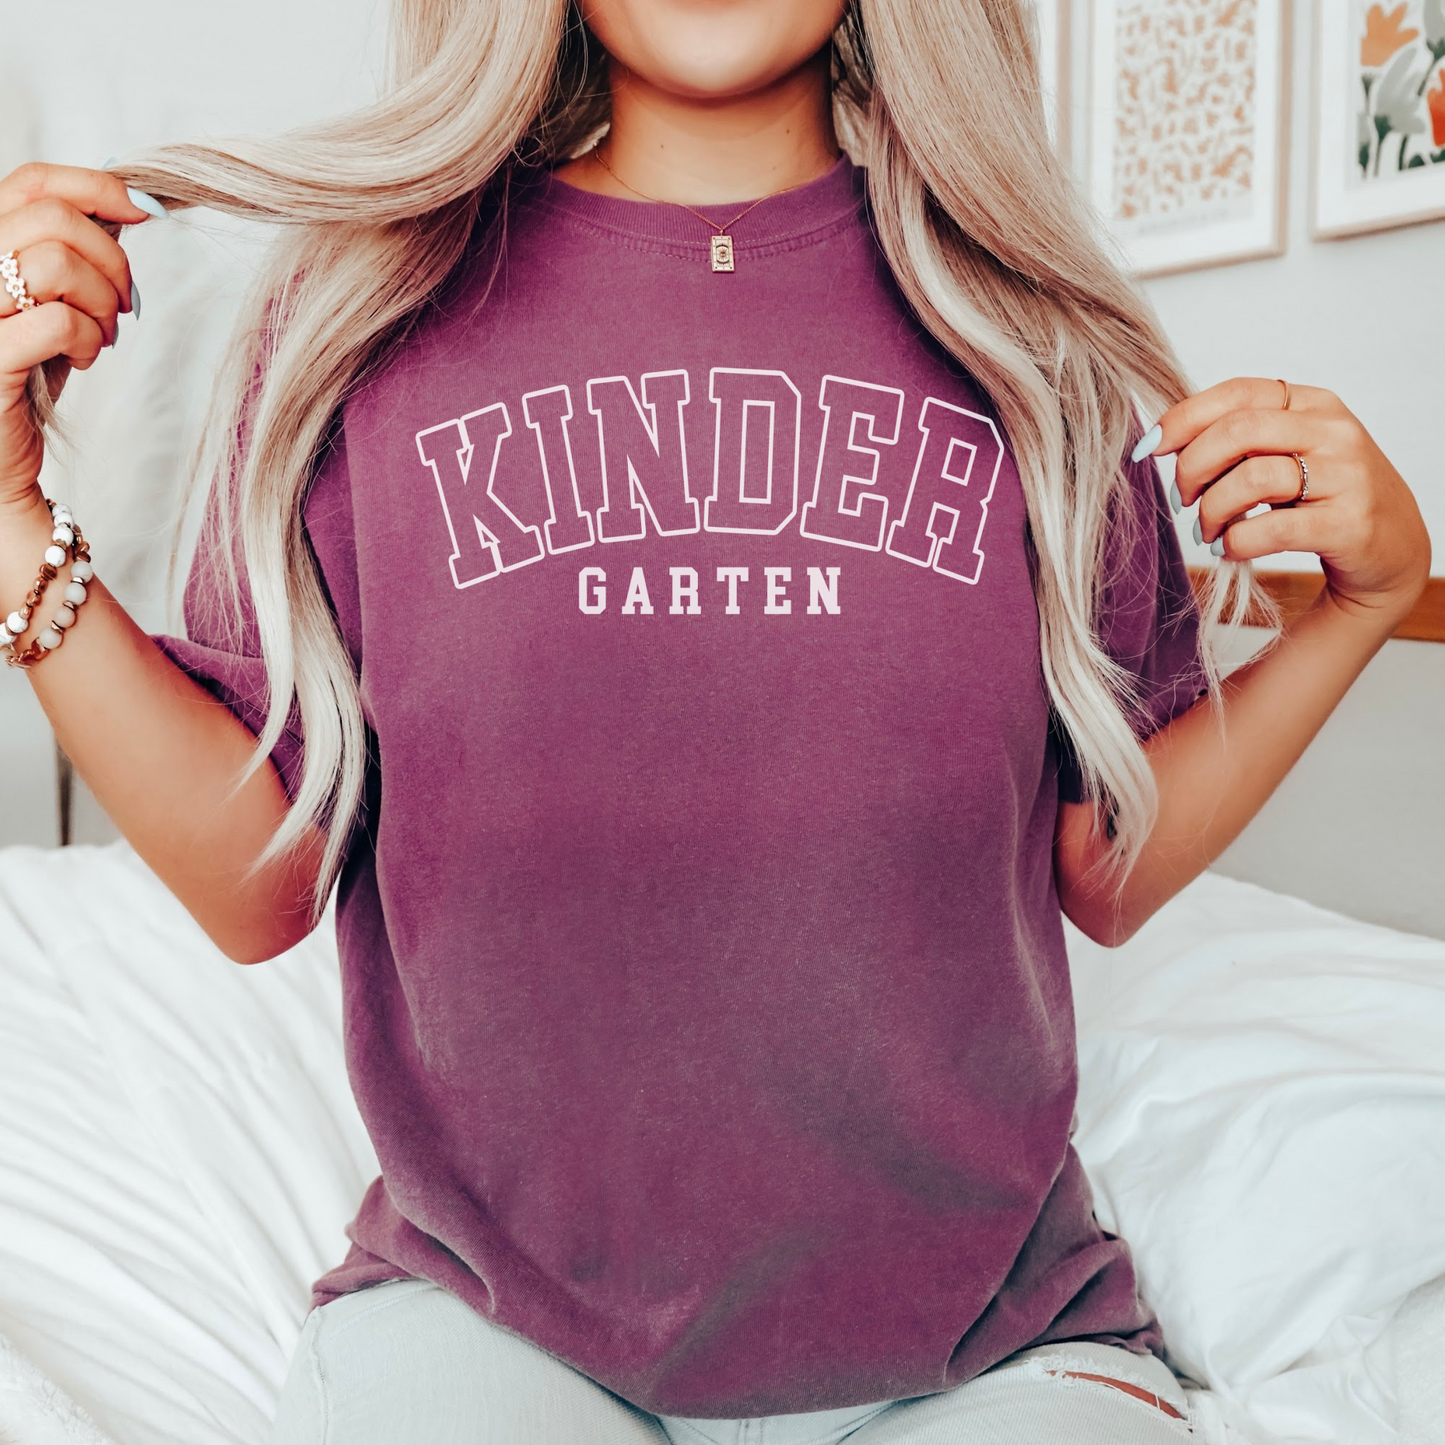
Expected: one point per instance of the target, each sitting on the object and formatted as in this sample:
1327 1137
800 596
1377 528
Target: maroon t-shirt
704 976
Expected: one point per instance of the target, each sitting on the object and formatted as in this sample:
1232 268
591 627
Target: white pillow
1262 1110
179 1149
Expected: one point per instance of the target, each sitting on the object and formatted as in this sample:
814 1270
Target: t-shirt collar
778 221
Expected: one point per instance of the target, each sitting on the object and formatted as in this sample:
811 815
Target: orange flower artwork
1384 115
1435 99
1383 35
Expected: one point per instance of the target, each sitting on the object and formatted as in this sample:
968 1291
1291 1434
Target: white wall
112 77
1360 823
89 79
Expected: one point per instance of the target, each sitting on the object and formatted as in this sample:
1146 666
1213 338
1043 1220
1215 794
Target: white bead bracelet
65 540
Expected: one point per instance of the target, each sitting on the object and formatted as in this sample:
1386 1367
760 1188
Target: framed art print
1379 132
1187 106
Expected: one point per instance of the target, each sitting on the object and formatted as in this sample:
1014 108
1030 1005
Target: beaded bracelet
65 535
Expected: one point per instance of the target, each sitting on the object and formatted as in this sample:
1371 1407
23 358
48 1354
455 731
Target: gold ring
1304 479
1284 384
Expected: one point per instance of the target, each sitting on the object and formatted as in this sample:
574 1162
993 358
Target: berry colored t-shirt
703 970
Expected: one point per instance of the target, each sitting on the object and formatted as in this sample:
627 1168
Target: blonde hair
979 218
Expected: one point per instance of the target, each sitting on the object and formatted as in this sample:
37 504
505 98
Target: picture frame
1378 152
1188 128
1055 69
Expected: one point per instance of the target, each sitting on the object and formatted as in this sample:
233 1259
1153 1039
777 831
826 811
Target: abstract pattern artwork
1185 128
1184 108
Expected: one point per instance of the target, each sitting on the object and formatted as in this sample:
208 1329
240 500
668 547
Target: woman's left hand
1233 443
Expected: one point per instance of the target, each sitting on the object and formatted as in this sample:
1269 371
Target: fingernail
1217 546
107 163
1198 532
146 203
1175 500
134 299
1147 443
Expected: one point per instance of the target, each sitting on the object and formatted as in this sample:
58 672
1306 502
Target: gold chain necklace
721 243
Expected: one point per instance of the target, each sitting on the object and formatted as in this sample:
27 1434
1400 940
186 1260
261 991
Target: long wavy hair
980 219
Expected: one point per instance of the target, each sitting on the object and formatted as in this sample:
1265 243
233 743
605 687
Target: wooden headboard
1294 591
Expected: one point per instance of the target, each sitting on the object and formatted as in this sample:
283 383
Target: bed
1261 1109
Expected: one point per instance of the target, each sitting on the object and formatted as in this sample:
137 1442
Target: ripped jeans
406 1361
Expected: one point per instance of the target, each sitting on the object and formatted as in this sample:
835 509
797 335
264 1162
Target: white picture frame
1055 68
1367 174
1188 130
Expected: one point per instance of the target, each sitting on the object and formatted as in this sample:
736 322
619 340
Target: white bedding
1262 1106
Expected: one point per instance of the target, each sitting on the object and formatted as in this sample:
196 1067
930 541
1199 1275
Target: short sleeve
1149 619
222 646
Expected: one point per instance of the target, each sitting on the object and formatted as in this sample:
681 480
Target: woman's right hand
80 278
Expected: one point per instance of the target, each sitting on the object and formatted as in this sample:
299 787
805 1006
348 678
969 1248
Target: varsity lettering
625 477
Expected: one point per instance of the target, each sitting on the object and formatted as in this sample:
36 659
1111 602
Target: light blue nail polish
1198 532
134 299
1217 546
1147 443
1175 500
146 203
107 163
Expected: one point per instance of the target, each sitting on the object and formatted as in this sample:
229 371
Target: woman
720 612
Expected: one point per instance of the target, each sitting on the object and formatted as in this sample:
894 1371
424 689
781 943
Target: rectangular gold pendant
722 253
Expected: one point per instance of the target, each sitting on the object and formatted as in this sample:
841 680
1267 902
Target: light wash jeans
409 1363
